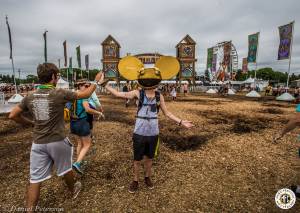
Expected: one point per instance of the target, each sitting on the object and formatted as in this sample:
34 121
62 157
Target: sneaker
133 187
77 189
149 183
294 189
77 167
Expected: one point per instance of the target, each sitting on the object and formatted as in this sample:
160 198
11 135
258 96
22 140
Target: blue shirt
80 111
298 108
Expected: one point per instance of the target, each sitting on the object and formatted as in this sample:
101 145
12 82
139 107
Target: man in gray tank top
146 131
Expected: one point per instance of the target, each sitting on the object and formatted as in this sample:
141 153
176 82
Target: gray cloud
143 26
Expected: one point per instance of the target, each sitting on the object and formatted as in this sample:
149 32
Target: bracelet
179 124
103 84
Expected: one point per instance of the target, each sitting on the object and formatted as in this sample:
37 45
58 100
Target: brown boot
149 183
133 187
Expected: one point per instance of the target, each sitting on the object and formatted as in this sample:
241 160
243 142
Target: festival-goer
291 125
185 89
80 126
50 145
173 93
126 89
145 137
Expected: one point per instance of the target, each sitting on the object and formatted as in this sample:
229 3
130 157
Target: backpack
141 100
70 111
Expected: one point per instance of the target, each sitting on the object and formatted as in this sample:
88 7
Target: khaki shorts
44 156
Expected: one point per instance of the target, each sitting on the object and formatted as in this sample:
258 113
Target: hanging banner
78 56
252 47
65 53
245 65
214 63
286 37
45 45
87 62
209 58
9 36
227 52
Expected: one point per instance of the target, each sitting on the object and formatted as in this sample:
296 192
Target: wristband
179 124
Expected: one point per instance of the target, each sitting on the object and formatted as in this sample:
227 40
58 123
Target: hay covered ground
226 163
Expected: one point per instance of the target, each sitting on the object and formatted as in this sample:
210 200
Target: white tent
253 94
285 97
17 98
211 91
62 84
249 81
231 92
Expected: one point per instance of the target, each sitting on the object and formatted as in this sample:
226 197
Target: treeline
10 79
266 74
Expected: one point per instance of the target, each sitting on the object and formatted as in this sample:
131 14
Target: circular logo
285 198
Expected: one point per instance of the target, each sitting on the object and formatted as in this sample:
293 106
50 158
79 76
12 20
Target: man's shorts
44 156
80 127
144 146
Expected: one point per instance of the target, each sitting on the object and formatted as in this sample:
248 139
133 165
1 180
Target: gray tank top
146 123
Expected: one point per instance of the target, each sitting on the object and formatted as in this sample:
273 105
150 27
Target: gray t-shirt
47 109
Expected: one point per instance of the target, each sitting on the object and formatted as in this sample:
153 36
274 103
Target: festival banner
252 47
214 63
245 65
45 45
9 36
87 62
65 53
286 37
227 52
78 56
209 58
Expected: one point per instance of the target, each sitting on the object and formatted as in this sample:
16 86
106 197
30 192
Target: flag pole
11 54
45 45
290 56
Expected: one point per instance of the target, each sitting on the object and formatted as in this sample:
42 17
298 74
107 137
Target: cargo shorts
44 156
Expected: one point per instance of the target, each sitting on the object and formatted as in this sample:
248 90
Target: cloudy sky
143 26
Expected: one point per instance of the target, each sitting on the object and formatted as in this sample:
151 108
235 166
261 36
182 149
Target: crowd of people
10 88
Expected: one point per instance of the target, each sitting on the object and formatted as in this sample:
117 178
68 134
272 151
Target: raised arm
126 95
88 92
185 123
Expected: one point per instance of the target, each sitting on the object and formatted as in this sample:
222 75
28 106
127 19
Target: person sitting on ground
146 131
80 127
291 125
50 145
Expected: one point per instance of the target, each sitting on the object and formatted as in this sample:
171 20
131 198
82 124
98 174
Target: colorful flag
65 53
252 47
9 35
245 65
227 53
87 62
214 63
78 56
45 45
209 58
286 38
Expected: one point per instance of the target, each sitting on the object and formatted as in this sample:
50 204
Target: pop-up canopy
62 84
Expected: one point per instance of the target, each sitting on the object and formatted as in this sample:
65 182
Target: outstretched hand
99 77
187 124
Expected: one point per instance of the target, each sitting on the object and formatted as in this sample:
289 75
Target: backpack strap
141 100
157 97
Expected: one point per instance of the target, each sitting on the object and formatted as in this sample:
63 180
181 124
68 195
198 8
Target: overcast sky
143 26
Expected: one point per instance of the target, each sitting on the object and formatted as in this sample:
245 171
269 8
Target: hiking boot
77 189
77 167
133 187
149 183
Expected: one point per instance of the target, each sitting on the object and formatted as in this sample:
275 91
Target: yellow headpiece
131 68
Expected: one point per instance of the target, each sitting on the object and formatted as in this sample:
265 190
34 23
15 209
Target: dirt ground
226 163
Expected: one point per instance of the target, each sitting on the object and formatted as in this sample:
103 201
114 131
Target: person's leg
69 179
33 193
79 145
148 166
86 144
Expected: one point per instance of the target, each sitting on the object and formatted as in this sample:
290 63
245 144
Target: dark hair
81 82
45 72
